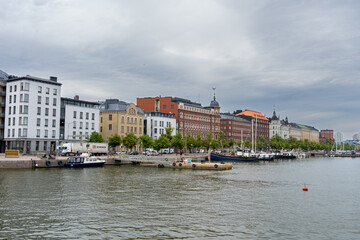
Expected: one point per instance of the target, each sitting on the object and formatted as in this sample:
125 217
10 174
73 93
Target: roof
302 126
36 79
116 105
253 114
233 117
3 75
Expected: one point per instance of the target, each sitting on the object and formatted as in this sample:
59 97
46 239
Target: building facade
32 114
118 117
191 117
235 127
306 132
279 127
260 123
78 119
326 134
2 112
155 123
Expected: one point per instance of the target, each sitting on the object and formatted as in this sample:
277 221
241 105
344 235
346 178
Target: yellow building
118 117
302 132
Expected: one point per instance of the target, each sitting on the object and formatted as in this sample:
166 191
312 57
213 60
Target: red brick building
260 123
235 127
190 116
326 134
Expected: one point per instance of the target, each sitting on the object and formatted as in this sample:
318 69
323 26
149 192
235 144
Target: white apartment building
156 123
32 114
79 119
279 127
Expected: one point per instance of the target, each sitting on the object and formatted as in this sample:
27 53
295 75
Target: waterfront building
235 127
78 119
32 114
326 134
118 117
2 110
191 117
259 122
302 132
278 127
155 123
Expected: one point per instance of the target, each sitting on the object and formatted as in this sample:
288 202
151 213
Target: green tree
146 141
261 143
222 139
114 141
207 141
177 142
96 137
277 142
214 144
247 144
168 132
198 141
161 142
130 140
231 142
190 142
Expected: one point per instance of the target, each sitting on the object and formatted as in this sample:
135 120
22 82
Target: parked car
134 153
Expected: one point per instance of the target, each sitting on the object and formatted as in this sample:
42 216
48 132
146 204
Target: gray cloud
299 56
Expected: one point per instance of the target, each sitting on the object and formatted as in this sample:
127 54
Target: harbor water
261 200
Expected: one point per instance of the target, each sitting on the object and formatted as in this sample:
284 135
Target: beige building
118 117
302 132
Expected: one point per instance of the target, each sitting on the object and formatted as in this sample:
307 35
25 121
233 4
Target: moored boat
83 161
220 157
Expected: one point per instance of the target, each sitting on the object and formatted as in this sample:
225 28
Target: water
253 201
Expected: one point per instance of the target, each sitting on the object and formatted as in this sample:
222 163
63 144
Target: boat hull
218 157
81 165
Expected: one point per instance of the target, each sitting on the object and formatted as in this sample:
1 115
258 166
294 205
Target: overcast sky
301 57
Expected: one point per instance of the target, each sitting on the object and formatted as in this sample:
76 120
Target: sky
298 57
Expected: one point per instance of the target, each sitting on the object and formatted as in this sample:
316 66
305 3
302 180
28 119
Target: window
10 99
164 106
47 90
47 100
13 131
25 132
37 143
127 129
14 110
15 88
54 91
9 121
46 134
54 123
110 117
101 119
19 132
25 109
54 101
93 116
87 116
87 125
45 145
135 120
132 129
26 97
92 126
155 130
14 98
46 122
135 128
140 121
172 106
39 100
122 119
54 112
27 86
74 135
110 126
122 129
8 132
25 121
39 111
128 120
46 111
53 133
74 125
100 129
140 130
13 121
74 114
9 110
39 89
81 115
38 122
81 125
10 88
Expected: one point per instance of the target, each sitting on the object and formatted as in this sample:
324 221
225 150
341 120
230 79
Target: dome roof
214 103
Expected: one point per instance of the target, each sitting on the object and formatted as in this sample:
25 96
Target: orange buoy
305 189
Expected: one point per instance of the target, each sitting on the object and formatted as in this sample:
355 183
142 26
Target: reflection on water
254 200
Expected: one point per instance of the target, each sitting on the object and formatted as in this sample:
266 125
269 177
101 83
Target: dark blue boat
75 162
224 158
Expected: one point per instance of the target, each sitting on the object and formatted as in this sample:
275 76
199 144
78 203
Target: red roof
253 114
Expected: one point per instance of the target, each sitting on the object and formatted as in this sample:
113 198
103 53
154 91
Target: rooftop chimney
54 79
76 97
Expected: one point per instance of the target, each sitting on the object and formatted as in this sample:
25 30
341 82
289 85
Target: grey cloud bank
300 56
